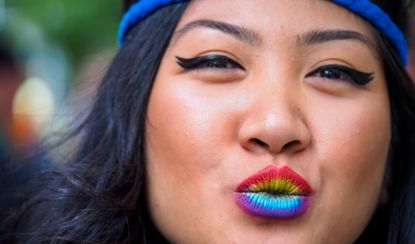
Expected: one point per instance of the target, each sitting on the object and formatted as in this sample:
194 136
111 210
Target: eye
342 73
211 61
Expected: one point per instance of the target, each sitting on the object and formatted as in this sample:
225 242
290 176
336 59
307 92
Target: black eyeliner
359 78
199 62
189 63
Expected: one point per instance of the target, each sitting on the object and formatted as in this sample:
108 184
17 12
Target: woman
263 122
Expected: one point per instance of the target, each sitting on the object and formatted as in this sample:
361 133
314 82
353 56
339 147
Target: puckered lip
277 193
275 181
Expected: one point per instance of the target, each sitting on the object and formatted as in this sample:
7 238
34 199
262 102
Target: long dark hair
99 195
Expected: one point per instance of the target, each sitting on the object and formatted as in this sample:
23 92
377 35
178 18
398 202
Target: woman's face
268 122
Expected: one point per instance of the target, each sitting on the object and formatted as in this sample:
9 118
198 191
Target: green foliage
79 26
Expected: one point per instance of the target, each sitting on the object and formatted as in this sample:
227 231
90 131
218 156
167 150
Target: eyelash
342 73
330 72
211 61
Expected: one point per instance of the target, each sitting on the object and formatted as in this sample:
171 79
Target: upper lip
275 181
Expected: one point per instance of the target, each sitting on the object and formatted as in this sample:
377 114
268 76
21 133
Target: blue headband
364 8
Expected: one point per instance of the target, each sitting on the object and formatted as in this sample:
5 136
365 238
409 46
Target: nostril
291 146
259 143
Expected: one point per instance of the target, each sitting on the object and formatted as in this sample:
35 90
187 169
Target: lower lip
272 206
273 192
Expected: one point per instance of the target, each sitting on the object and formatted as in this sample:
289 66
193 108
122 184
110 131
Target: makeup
343 73
274 193
209 61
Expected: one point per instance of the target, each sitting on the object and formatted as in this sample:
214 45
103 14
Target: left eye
211 61
342 73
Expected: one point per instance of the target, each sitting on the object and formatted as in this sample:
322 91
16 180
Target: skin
209 129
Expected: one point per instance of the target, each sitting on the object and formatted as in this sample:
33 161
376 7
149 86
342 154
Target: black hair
98 196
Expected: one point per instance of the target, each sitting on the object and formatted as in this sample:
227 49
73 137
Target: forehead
271 18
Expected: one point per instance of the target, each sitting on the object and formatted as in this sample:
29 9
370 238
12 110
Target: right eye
336 72
211 61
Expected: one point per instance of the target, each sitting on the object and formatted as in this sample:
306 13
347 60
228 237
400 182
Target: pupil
217 64
331 74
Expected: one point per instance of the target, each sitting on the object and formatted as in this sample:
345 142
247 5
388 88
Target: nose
275 123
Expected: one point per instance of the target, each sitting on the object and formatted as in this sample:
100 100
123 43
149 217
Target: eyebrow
245 35
251 37
322 36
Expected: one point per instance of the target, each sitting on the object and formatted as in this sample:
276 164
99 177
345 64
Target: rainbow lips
274 193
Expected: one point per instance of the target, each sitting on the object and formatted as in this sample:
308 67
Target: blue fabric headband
364 8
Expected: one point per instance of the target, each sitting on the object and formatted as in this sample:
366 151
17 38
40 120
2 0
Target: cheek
353 145
186 146
357 139
182 128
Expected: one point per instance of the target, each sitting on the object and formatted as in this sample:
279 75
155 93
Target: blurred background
53 53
